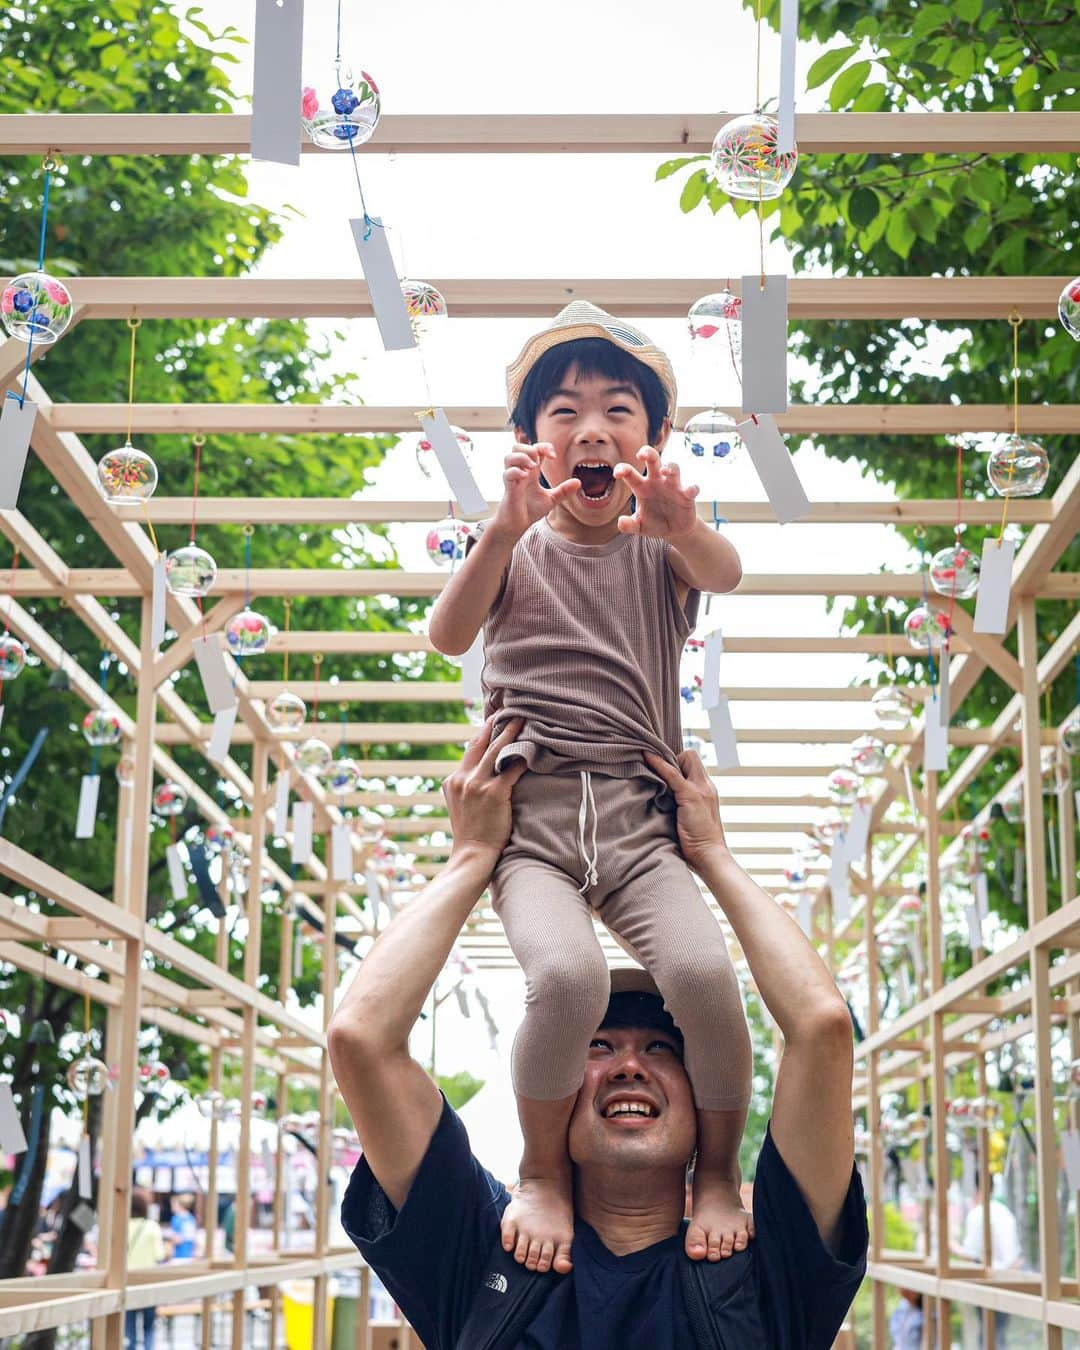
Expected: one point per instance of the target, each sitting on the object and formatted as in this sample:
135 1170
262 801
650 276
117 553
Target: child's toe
696 1242
562 1263
547 1252
521 1250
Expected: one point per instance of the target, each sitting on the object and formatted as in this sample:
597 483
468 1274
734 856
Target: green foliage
169 216
458 1088
874 214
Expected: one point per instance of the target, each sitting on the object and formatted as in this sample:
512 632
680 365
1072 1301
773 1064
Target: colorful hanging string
134 324
957 531
288 604
198 441
7 611
50 164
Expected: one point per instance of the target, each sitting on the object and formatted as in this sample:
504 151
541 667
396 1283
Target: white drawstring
587 800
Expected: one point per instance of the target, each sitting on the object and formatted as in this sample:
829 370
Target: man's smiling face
593 423
635 1108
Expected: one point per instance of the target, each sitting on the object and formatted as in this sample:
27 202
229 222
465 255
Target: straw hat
632 980
580 319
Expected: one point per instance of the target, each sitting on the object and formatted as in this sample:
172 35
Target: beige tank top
584 642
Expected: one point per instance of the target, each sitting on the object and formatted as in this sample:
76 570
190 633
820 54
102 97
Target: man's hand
701 834
525 499
665 509
478 798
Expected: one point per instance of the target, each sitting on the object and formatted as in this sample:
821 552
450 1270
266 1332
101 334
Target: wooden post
1034 829
323 1162
937 1050
873 1094
127 1029
252 954
285 957
221 956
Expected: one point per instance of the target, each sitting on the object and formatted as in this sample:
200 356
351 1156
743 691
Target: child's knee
572 984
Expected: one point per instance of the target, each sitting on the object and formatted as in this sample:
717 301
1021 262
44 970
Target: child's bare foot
720 1226
538 1223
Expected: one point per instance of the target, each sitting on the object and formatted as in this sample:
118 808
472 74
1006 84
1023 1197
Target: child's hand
665 509
525 499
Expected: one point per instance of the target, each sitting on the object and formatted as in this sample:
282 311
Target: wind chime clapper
35 308
100 728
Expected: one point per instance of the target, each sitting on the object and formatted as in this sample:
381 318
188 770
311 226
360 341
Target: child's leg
549 928
662 917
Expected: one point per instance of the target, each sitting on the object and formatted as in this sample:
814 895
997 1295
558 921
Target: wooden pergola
946 1024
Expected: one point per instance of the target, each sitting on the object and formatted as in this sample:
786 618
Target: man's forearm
384 1000
790 976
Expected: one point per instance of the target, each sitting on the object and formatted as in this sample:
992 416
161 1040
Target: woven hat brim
543 342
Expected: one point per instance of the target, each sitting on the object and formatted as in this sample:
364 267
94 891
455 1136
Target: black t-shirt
431 1256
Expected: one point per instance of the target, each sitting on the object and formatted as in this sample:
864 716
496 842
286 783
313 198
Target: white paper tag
841 900
967 1172
981 890
218 749
86 1175
904 981
341 852
974 923
785 113
935 738
910 791
1018 877
944 693
775 468
764 343
157 602
303 824
215 676
177 875
858 831
281 804
722 734
453 464
88 800
916 953
12 1139
1070 1148
995 582
374 890
16 425
384 286
710 680
1076 804
472 668
275 103
805 911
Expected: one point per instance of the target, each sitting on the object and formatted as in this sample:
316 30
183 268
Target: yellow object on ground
298 1308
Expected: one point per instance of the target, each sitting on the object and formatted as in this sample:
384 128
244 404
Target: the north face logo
496 1282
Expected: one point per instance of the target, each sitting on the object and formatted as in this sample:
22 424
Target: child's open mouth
597 482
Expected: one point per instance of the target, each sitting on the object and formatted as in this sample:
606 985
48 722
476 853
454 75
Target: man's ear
661 437
521 436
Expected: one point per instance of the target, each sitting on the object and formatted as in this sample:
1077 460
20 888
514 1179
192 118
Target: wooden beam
935 420
449 691
868 298
566 133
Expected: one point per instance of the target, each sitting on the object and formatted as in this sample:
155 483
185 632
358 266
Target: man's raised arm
393 1103
811 1117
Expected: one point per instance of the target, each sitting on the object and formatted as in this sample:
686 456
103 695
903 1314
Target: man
1005 1250
425 1213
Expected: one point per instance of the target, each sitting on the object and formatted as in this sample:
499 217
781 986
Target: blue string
21 398
718 520
337 57
247 569
32 1145
369 221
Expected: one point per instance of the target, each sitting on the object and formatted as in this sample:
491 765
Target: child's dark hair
592 356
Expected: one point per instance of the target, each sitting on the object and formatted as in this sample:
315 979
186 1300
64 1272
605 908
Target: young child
586 582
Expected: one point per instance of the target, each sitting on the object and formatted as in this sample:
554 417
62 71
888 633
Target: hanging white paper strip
764 343
722 734
374 890
16 425
88 800
841 900
785 114
12 1138
303 824
177 875
157 602
981 888
341 852
710 680
935 738
86 1175
805 911
1070 1148
216 680
1018 877
774 466
218 749
453 464
974 923
384 286
910 791
944 697
472 669
858 830
281 803
995 582
275 102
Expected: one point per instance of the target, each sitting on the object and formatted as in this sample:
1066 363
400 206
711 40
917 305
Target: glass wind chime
190 571
100 727
287 711
127 475
12 651
248 633
35 307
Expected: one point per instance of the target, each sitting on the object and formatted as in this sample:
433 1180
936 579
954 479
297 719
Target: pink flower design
309 102
57 294
7 304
